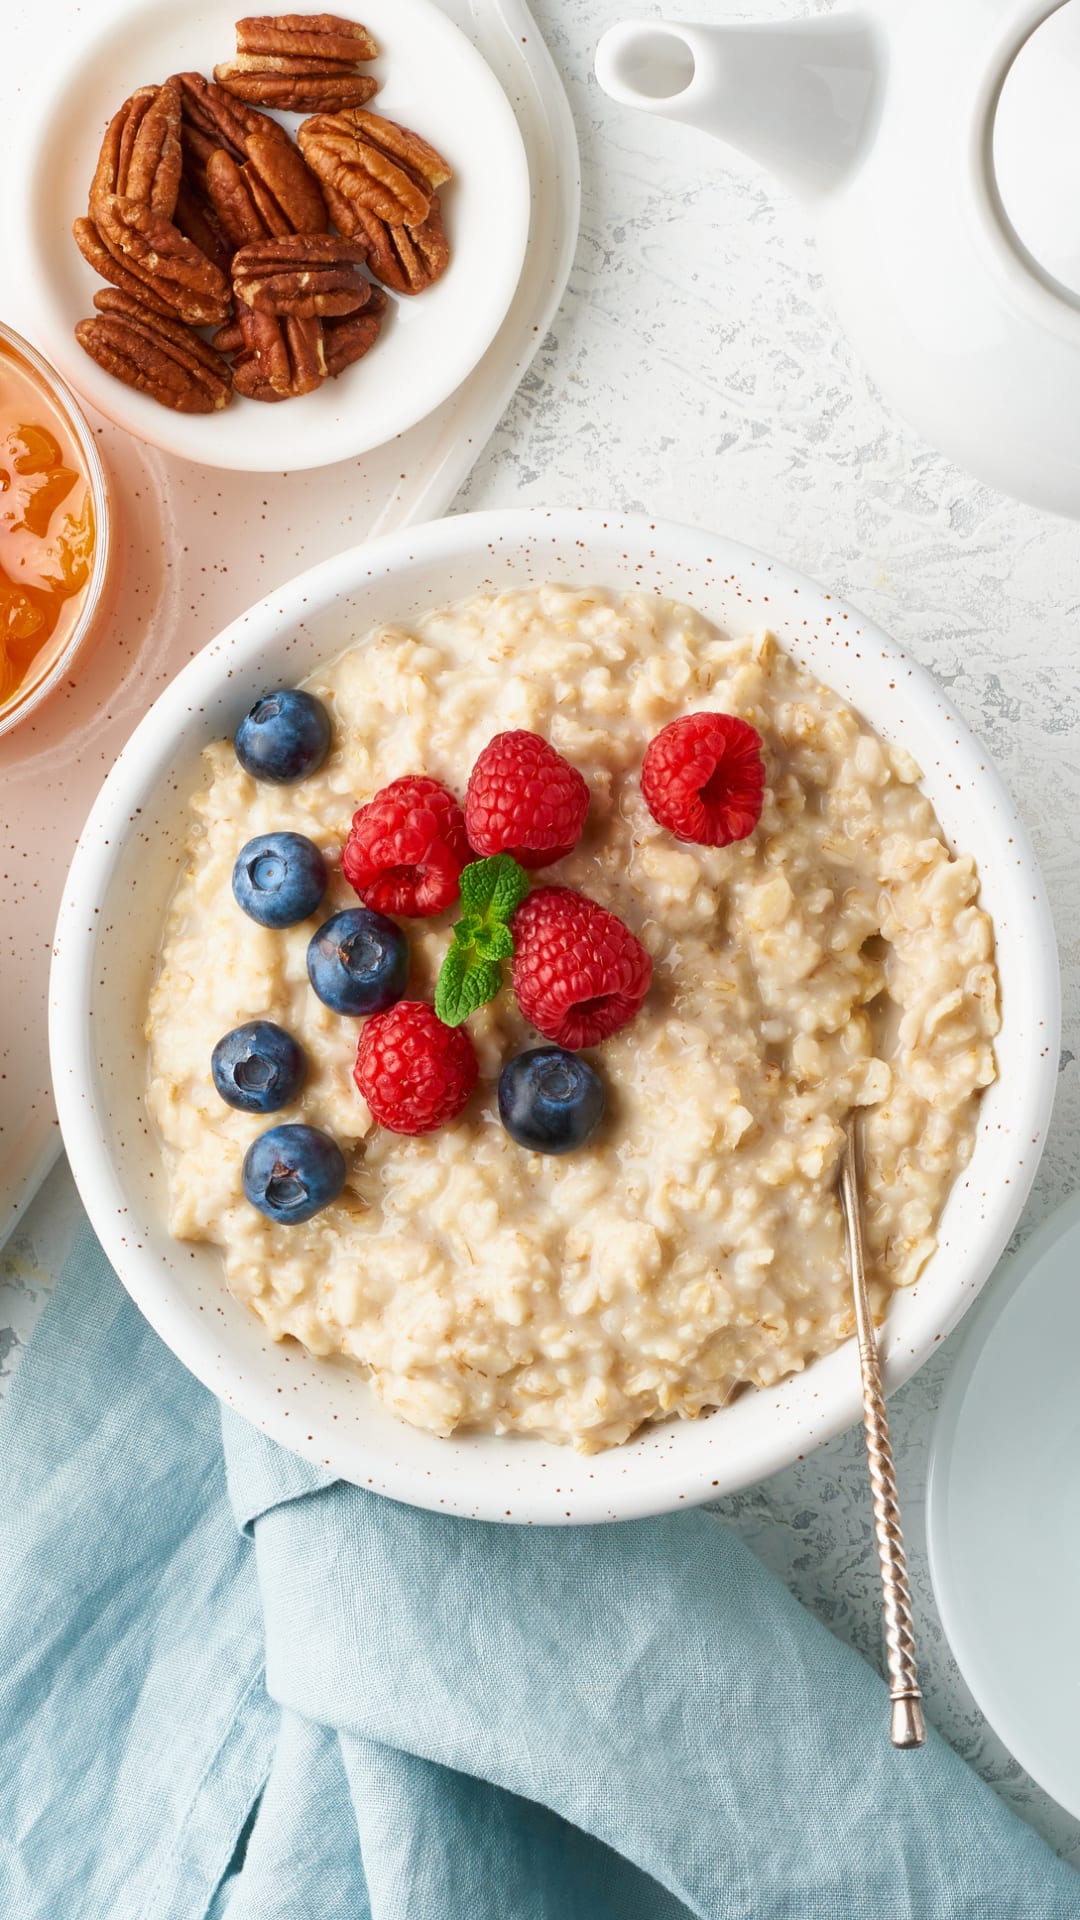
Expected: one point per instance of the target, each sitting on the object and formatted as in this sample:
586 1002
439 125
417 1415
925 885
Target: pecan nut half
283 185
198 222
198 148
229 338
252 384
251 208
286 190
228 187
295 86
157 252
375 163
212 114
324 36
305 274
140 155
107 267
346 341
406 259
283 355
159 357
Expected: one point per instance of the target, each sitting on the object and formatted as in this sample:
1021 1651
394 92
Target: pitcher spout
798 96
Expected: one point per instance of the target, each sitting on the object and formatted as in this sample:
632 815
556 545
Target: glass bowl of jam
54 529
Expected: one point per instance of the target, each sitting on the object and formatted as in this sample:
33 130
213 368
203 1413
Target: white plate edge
1005 1283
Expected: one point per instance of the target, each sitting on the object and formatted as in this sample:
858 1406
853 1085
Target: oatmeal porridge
834 958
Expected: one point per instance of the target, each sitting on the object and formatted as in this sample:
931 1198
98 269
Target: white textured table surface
695 370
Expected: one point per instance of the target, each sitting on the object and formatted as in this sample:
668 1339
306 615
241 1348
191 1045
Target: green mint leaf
493 887
495 942
511 886
448 987
474 887
467 929
471 973
464 985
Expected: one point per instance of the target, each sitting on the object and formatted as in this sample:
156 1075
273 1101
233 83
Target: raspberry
579 973
407 848
414 1073
524 798
703 778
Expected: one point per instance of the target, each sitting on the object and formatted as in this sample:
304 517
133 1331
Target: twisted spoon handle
908 1729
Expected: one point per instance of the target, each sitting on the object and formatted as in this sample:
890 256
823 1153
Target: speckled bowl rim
676 1462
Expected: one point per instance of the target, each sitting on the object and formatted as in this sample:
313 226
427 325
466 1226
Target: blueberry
279 878
284 737
258 1067
550 1101
291 1173
358 962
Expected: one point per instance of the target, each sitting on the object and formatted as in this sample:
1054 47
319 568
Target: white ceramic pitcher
936 146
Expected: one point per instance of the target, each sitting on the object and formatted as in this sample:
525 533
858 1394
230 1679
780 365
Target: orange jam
47 529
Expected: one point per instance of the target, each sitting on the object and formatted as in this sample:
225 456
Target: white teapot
936 145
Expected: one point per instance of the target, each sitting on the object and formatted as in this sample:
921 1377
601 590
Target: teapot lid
1035 151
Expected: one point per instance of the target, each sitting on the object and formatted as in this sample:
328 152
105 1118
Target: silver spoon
908 1728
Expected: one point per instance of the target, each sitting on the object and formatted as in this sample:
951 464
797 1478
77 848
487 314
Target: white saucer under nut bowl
432 79
106 941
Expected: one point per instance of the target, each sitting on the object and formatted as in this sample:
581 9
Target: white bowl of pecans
301 208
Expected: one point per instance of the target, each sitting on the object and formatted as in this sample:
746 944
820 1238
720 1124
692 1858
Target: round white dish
1002 1528
124 871
431 78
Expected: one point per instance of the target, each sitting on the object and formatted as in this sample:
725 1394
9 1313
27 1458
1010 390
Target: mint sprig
471 974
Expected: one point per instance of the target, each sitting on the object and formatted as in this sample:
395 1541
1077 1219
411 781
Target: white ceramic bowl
106 943
431 78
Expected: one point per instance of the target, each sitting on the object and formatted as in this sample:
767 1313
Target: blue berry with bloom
358 962
285 736
279 879
291 1173
258 1067
550 1101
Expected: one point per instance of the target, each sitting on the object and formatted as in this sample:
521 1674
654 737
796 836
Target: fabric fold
650 1684
301 1858
135 1727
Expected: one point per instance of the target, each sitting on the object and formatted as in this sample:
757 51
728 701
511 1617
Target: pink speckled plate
106 942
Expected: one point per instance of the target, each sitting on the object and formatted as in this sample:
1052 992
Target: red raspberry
407 848
524 798
579 973
414 1073
704 779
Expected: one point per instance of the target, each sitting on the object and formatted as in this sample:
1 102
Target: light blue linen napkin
231 1687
